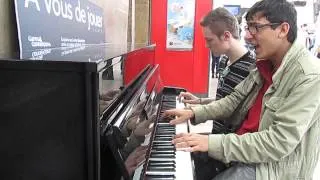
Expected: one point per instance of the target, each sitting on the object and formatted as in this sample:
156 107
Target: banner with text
47 24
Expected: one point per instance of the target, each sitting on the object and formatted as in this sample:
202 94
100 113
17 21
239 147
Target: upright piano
89 113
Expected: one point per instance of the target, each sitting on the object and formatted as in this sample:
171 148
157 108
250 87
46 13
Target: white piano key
184 164
161 159
161 173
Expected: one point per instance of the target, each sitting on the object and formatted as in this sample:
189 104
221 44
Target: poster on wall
44 25
233 9
180 24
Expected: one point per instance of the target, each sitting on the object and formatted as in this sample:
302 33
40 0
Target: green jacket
286 145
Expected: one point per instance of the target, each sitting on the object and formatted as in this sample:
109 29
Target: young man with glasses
280 98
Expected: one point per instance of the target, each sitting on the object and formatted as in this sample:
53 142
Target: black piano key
163 132
163 151
163 147
166 148
162 142
156 177
161 135
161 129
169 103
169 126
155 144
167 156
166 132
164 135
165 128
161 163
166 125
168 106
171 166
162 139
158 168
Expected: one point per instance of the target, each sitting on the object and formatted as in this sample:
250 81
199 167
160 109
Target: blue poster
233 9
44 25
180 24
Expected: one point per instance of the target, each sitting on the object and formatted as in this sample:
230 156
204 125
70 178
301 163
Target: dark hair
221 20
276 11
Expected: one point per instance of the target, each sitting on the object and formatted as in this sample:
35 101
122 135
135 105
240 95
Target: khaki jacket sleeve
289 123
224 107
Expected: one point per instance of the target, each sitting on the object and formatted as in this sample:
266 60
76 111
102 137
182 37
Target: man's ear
226 35
284 30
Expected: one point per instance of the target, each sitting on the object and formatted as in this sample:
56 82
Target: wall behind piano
115 21
188 69
8 30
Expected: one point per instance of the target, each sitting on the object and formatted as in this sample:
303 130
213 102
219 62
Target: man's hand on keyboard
191 142
181 115
187 97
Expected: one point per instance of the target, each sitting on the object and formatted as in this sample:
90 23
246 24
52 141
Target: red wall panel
188 69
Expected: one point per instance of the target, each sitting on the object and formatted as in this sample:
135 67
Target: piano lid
91 53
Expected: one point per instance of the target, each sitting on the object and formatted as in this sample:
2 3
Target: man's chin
261 57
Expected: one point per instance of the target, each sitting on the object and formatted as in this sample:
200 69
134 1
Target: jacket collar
294 53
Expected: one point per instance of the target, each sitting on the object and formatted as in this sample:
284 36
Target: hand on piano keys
191 142
181 115
187 97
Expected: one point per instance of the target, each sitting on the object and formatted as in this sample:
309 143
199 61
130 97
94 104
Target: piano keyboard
165 162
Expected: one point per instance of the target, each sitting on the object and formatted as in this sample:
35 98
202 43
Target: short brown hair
220 20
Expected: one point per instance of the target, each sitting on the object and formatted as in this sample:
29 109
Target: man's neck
277 59
236 51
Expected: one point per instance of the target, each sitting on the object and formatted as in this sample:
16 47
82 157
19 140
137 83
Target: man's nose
248 36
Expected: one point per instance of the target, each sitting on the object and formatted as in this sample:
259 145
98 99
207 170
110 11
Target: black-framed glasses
254 28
